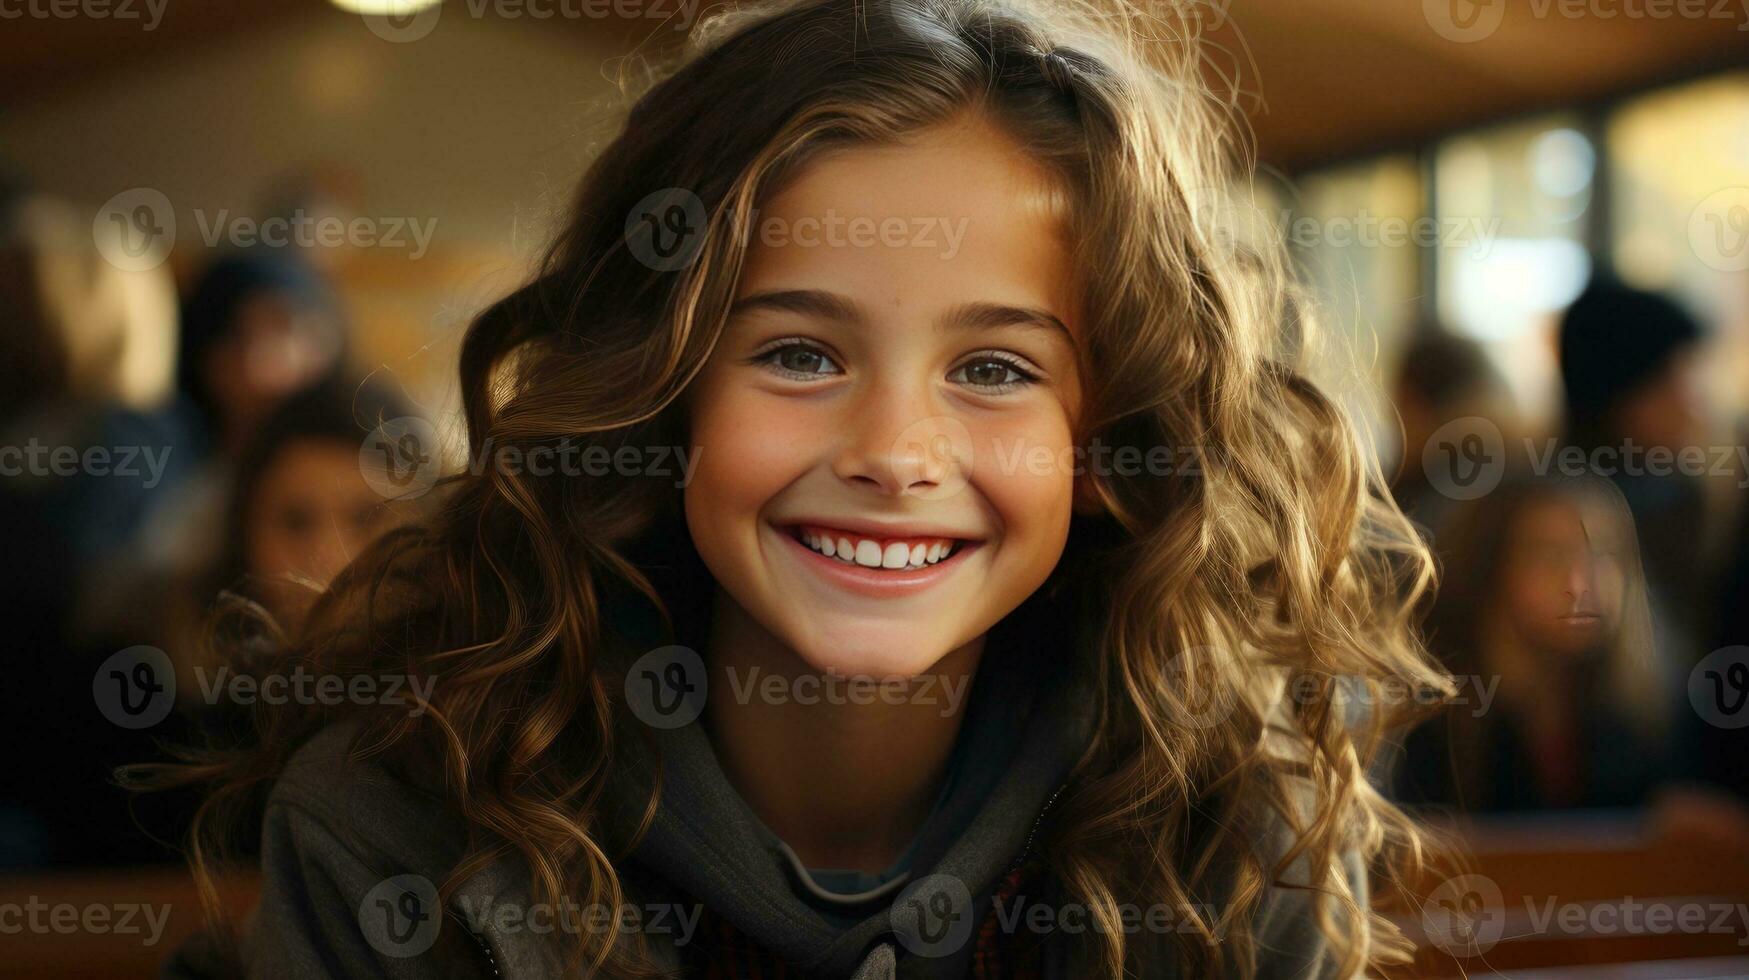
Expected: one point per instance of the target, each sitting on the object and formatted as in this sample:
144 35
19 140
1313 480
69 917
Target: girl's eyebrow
831 306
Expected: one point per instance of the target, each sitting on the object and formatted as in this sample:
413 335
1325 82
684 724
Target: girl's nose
902 444
1581 578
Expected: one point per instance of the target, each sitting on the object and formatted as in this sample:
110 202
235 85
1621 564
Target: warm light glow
389 8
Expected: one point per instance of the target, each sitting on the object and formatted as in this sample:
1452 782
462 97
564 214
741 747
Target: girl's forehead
963 166
948 217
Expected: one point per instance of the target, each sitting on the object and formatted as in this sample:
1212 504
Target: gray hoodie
351 857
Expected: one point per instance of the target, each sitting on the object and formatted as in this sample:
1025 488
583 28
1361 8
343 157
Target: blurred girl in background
301 507
1544 595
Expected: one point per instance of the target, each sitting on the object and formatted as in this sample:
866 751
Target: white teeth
868 553
897 555
871 554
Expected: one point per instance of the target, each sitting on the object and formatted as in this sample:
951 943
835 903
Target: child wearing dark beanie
1615 341
1629 365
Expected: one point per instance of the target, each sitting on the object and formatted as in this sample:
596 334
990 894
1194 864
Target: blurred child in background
1543 616
1631 371
1442 377
301 507
257 327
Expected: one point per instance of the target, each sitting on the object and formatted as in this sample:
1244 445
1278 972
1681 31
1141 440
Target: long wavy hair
1270 561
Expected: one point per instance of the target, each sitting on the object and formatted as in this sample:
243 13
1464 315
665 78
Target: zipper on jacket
1026 850
486 949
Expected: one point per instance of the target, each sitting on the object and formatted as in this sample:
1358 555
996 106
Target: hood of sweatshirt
1029 718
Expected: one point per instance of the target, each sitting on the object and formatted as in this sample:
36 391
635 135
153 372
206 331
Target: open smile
885 564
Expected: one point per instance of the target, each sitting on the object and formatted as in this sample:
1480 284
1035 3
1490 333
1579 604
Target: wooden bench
102 924
1577 890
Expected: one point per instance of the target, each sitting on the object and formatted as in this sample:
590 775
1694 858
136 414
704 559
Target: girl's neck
846 785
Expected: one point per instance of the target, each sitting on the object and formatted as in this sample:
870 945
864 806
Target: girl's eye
992 373
799 360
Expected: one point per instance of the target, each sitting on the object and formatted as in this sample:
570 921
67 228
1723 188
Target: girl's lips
877 582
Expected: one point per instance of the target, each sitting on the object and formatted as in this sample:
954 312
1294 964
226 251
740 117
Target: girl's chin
875 664
895 651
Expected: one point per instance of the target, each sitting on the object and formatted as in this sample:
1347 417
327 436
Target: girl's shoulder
365 802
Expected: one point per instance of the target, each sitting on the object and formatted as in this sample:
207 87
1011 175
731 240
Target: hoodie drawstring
879 964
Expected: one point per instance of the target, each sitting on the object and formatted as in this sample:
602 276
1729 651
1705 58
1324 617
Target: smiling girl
1025 612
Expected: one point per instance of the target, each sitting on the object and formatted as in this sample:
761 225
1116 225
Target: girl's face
312 511
1563 579
883 432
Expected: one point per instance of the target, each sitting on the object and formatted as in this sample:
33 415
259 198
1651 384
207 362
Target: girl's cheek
751 444
1025 469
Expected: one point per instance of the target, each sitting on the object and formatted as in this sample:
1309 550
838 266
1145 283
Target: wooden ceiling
1334 77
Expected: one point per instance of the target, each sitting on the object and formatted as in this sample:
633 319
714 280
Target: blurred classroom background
1525 225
